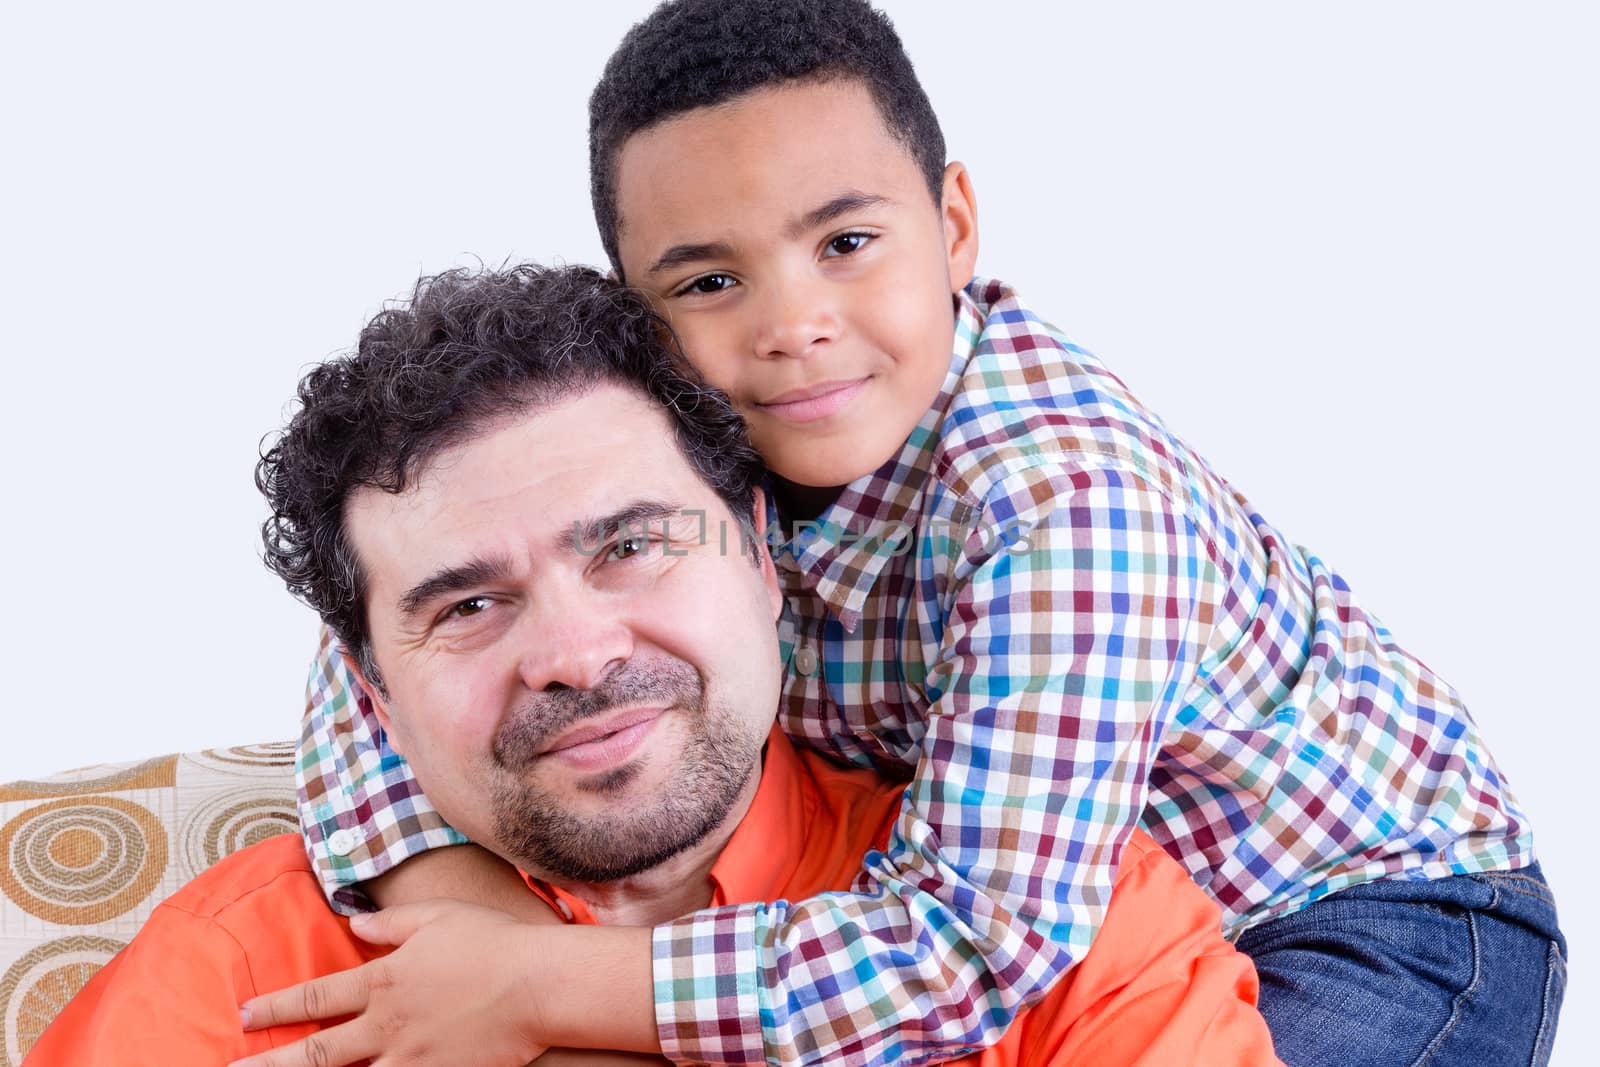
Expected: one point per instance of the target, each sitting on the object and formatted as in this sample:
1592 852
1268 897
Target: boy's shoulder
1030 404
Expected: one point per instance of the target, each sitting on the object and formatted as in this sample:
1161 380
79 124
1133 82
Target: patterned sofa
90 853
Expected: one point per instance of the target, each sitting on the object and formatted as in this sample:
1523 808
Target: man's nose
798 316
572 642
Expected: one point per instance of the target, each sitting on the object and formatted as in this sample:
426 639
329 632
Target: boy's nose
796 319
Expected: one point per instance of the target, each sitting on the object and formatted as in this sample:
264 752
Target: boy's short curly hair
695 53
468 349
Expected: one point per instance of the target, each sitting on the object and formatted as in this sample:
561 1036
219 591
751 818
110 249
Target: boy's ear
380 706
959 208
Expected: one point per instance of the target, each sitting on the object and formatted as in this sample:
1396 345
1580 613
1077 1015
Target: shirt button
342 842
566 909
805 661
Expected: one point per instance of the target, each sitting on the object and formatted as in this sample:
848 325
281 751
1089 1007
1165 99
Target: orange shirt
1159 986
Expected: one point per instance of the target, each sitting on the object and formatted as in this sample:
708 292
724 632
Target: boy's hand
590 1057
457 989
467 873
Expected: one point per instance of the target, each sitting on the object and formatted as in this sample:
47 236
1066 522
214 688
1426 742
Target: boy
1020 584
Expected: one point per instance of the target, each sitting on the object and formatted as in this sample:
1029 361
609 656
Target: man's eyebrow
842 204
473 573
678 255
585 536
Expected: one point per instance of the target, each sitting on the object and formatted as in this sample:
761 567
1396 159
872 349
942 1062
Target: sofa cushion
88 854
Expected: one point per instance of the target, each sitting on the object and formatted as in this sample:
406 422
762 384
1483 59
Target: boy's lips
814 401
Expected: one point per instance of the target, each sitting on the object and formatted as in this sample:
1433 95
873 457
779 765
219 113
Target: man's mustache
670 683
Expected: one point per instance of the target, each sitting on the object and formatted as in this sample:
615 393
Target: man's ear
759 515
959 209
380 706
769 573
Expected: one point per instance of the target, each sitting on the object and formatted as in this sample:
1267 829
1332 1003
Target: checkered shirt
1052 616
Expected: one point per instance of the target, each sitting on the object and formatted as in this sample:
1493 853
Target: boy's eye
709 283
846 243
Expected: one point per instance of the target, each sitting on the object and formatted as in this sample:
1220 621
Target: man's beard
544 836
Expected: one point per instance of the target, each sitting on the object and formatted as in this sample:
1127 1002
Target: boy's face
805 267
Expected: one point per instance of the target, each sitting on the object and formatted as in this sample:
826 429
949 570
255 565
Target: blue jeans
1465 970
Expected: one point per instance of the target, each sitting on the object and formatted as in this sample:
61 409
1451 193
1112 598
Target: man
538 542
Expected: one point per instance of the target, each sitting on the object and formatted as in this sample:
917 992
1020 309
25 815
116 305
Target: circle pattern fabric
229 821
264 757
82 860
38 985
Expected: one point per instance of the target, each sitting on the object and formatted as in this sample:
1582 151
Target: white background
1349 251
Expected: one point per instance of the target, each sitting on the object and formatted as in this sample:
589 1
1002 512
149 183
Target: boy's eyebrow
678 255
842 204
474 572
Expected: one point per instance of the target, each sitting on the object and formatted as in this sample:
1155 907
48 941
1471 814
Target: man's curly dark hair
467 349
695 53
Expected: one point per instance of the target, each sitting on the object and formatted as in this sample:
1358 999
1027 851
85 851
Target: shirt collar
854 539
752 865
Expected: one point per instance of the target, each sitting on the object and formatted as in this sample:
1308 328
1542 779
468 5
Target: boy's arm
1059 670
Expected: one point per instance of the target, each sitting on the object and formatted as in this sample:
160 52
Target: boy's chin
817 475
830 463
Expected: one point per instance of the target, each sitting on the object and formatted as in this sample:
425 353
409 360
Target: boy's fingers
392 926
344 993
350 1043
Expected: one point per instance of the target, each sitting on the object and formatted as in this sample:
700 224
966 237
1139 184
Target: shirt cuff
705 969
347 851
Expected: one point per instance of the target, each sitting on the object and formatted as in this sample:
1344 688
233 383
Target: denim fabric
1466 970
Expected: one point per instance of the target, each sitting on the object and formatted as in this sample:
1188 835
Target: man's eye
469 607
846 243
629 546
709 283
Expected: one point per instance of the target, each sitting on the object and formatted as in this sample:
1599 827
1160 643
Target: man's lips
600 727
814 401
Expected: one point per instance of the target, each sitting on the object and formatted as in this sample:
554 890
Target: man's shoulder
277 865
253 922
1141 850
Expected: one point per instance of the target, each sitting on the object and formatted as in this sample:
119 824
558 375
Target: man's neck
677 886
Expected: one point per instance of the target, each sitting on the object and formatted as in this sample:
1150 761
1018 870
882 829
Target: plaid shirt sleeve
361 811
1062 660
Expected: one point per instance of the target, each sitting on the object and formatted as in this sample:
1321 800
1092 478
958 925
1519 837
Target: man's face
579 683
805 266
